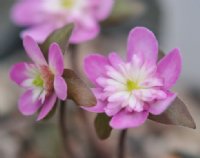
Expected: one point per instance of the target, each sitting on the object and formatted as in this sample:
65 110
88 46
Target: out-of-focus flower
43 81
44 16
129 90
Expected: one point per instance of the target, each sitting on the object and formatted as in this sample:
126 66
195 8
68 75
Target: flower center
47 77
67 3
38 81
131 85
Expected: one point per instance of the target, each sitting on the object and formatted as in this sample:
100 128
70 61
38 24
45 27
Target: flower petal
33 51
83 33
18 73
161 105
113 108
102 8
38 32
169 68
60 87
148 95
26 104
114 59
124 119
99 107
56 62
94 66
98 92
47 106
27 12
143 42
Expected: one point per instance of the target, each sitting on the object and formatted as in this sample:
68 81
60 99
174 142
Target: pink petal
60 87
102 8
115 60
112 108
27 12
161 105
98 92
126 119
39 32
18 73
84 33
26 104
152 82
56 58
94 66
138 62
99 107
169 68
47 106
143 42
148 95
33 51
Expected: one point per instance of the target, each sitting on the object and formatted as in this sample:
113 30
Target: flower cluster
44 16
128 91
43 81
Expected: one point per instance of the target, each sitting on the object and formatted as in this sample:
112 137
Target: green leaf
77 90
60 36
176 114
102 126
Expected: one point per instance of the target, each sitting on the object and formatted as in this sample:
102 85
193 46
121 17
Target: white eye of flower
64 5
131 85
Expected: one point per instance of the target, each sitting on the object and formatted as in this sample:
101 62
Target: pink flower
43 81
129 90
44 16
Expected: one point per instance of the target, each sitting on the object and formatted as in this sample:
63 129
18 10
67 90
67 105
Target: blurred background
176 23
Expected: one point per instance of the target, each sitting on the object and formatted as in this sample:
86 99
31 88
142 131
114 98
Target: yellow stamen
67 3
131 85
38 81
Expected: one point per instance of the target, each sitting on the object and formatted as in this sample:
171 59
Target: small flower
44 16
43 81
128 91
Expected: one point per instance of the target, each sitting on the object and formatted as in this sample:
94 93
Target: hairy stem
121 145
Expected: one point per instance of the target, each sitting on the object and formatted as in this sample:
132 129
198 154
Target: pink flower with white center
43 81
44 16
128 91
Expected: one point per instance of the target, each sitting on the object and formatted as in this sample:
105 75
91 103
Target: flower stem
63 129
121 145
